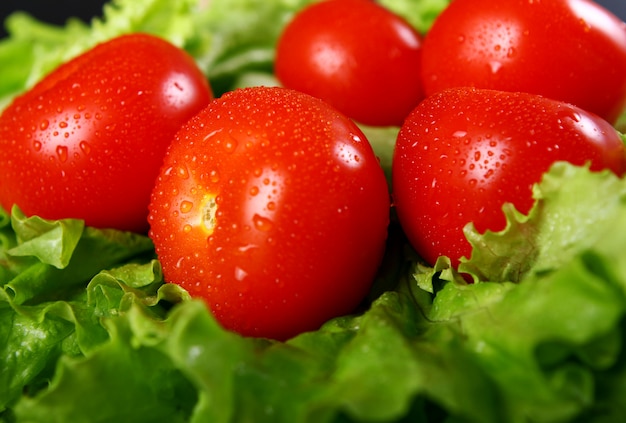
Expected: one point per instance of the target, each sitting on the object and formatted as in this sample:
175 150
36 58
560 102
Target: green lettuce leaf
575 210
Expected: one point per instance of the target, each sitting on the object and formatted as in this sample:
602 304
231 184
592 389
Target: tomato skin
463 153
569 50
356 55
88 140
272 207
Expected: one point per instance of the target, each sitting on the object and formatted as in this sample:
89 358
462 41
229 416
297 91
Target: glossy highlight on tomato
88 140
463 153
356 55
568 50
272 207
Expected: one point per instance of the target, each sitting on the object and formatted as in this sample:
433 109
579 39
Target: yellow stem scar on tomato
209 210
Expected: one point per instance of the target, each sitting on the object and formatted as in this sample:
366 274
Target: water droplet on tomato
262 223
182 172
44 124
186 206
85 147
240 274
271 206
187 229
495 66
62 124
254 191
477 155
230 145
61 151
37 145
214 176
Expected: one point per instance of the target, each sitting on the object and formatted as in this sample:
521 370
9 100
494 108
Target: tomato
88 140
356 55
568 50
463 153
272 207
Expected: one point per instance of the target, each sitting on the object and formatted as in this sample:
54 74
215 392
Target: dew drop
262 223
240 274
85 147
254 191
271 206
61 151
44 124
186 206
182 172
230 145
187 228
37 145
63 124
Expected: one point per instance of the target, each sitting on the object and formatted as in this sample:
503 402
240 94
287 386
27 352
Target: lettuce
90 331
106 339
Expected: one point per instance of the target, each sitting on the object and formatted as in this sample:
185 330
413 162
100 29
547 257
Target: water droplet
37 145
63 124
230 145
187 229
495 66
214 176
186 206
271 206
240 274
477 155
85 147
182 172
44 124
254 191
262 223
61 151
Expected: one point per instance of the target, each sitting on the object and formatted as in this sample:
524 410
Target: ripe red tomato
569 50
463 153
273 208
356 55
88 140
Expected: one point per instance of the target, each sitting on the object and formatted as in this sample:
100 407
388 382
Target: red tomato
272 207
87 141
569 50
463 153
356 55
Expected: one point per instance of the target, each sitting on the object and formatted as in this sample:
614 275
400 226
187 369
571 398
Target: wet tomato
569 50
356 55
272 207
88 140
463 153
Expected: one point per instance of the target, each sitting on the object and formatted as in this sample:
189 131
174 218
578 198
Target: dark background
57 11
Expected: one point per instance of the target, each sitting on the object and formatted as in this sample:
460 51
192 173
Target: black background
57 11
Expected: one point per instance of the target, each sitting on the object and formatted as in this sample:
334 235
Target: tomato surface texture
569 50
355 54
463 153
88 140
272 207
